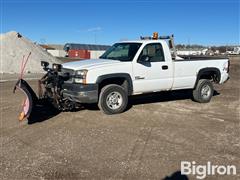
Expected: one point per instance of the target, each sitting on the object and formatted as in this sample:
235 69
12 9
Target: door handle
139 77
164 67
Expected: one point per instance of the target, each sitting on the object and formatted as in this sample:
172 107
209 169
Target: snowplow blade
30 100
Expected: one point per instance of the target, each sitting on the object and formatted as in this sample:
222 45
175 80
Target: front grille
71 73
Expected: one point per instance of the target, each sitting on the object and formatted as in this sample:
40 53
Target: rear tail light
228 69
226 66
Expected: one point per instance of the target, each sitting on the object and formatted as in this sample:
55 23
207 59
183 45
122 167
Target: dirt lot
147 142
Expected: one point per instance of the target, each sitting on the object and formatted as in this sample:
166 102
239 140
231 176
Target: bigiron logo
202 171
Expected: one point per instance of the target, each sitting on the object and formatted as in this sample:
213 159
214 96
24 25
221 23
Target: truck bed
200 58
186 70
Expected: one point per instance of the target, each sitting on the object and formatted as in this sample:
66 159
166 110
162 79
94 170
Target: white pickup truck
142 66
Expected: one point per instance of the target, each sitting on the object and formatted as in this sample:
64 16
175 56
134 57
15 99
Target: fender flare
208 69
126 76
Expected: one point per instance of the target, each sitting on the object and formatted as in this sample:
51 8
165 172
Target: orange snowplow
49 91
30 100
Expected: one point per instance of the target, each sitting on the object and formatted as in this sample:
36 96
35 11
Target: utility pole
189 46
95 37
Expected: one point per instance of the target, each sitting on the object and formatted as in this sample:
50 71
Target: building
236 50
55 50
58 50
84 51
186 52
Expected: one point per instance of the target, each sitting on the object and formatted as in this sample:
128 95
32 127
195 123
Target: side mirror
44 64
144 58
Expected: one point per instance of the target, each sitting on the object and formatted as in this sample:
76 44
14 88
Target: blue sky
207 22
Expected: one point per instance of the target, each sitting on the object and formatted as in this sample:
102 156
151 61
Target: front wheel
113 99
203 91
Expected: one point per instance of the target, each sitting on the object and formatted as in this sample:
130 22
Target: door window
154 52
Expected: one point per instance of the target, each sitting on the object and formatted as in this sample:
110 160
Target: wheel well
121 81
212 74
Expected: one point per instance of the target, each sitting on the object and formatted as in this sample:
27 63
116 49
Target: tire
113 99
203 91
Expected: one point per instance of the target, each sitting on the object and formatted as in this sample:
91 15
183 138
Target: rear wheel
203 91
113 99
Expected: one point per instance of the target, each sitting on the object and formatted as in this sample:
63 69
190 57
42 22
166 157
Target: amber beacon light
155 35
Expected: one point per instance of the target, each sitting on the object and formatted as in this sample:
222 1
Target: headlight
57 67
80 76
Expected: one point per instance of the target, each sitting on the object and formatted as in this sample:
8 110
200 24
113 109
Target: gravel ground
146 142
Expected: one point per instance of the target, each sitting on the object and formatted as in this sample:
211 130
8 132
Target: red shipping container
82 53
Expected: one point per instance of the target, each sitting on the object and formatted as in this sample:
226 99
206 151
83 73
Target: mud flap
30 100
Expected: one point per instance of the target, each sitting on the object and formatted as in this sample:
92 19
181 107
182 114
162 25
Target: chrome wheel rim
114 100
206 91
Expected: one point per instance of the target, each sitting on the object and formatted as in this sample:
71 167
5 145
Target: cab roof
143 41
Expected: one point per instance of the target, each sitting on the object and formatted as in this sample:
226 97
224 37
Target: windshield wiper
112 58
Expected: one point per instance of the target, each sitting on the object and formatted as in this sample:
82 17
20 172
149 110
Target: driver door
152 72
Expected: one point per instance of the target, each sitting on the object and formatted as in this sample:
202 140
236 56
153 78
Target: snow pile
14 46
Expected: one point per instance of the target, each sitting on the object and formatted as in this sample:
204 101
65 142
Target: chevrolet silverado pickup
129 68
135 67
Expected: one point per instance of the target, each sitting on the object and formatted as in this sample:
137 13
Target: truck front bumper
81 93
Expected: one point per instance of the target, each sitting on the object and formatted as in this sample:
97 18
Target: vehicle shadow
176 176
45 111
162 97
42 112
156 97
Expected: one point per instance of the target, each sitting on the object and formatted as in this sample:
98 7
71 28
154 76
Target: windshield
121 51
